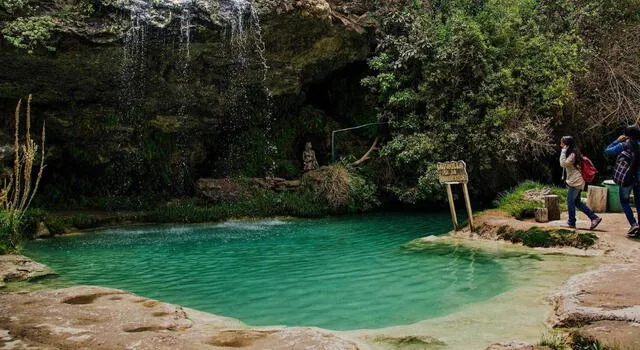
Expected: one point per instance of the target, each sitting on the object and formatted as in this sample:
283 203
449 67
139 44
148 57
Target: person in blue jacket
630 139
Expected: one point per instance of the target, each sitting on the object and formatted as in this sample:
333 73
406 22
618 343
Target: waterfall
246 85
248 48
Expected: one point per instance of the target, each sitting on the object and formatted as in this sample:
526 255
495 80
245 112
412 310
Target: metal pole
333 134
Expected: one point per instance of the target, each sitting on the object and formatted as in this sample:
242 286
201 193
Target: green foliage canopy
479 81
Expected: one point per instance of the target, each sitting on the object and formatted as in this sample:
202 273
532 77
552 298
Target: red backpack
587 169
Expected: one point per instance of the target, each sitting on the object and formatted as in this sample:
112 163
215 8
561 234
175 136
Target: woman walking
570 160
629 142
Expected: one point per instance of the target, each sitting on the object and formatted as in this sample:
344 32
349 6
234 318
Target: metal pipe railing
333 137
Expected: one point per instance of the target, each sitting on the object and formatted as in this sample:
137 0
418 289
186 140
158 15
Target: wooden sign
454 172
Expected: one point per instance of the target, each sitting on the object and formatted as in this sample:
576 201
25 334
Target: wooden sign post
455 172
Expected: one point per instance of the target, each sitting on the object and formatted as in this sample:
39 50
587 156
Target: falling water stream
249 99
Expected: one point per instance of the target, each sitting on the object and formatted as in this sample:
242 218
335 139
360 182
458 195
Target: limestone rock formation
86 317
20 268
610 293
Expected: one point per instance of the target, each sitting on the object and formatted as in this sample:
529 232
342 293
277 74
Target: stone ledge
89 317
14 268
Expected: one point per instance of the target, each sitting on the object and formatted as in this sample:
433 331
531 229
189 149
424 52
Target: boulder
42 231
15 268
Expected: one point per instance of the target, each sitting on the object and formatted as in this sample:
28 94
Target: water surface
338 273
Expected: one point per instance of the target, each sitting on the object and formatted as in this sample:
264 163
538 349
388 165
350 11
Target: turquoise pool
337 273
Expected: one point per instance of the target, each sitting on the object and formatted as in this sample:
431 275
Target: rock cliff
172 91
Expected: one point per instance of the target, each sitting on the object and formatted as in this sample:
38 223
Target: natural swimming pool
341 273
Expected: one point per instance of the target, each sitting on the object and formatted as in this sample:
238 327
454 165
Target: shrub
555 341
362 195
19 190
30 32
12 6
332 183
537 237
582 343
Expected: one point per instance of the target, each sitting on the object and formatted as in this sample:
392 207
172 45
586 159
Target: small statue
309 158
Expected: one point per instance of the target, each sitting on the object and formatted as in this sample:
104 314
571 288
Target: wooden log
597 199
551 202
542 215
452 208
467 202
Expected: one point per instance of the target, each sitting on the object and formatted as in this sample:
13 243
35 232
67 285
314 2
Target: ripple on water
339 273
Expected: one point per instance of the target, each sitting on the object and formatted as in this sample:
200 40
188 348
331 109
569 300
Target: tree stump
551 202
542 215
597 199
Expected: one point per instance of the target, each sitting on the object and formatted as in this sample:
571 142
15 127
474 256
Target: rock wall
137 104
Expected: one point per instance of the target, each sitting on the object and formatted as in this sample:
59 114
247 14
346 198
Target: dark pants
574 201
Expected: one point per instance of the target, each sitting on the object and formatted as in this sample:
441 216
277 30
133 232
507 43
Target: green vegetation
477 81
328 191
537 237
30 33
554 340
35 26
263 204
12 6
515 203
581 343
19 188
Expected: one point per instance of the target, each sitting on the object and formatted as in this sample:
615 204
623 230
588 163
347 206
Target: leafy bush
12 6
582 343
478 81
362 195
30 32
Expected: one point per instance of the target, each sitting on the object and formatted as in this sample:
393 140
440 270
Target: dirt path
612 232
602 304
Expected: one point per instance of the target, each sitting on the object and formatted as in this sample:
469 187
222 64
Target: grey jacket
574 177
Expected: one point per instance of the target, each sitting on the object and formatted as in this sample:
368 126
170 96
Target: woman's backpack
587 169
624 171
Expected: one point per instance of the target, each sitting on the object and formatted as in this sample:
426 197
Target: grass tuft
513 201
